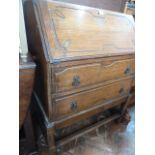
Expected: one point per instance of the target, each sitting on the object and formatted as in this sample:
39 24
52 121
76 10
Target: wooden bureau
85 67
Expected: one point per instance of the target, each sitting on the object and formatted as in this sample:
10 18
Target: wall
115 5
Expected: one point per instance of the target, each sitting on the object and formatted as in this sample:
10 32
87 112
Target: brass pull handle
127 70
73 105
76 81
121 91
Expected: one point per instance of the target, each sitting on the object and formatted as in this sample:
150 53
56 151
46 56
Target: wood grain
92 73
90 98
85 62
80 31
26 79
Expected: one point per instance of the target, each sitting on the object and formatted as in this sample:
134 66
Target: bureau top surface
74 32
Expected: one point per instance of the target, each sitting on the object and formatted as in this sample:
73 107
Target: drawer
133 83
75 103
84 75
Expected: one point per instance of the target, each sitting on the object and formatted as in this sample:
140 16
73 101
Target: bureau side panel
36 44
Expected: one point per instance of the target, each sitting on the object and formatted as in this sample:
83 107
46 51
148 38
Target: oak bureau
85 68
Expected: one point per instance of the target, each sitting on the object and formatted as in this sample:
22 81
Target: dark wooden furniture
85 68
26 80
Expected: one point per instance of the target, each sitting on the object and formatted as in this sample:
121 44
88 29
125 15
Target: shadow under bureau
85 68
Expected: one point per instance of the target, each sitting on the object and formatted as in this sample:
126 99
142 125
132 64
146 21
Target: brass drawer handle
127 70
121 91
76 81
73 105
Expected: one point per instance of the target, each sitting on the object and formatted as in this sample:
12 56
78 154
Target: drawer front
81 101
85 75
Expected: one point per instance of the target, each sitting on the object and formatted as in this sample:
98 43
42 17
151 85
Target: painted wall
114 5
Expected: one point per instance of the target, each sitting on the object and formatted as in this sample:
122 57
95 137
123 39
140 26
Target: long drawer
78 102
85 75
